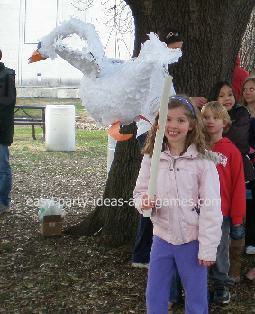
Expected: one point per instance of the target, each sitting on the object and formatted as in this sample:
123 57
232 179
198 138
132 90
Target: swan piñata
111 89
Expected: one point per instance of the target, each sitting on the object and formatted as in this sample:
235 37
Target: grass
60 275
67 275
79 108
89 142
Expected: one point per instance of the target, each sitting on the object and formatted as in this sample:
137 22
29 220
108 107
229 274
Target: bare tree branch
82 5
119 15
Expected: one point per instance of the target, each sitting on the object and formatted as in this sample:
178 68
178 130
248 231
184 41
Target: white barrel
60 128
110 151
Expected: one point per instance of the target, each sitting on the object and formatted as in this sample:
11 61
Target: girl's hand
205 263
148 203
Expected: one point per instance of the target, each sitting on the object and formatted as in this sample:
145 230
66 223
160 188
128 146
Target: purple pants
164 260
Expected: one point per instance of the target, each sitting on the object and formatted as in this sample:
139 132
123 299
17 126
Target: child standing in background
232 188
248 95
187 219
248 100
238 133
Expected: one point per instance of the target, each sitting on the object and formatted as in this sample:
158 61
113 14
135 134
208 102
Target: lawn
80 113
64 274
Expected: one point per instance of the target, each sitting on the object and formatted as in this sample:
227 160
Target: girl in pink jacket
187 213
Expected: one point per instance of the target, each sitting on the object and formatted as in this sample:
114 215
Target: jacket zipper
180 227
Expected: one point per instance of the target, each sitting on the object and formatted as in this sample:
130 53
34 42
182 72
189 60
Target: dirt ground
64 274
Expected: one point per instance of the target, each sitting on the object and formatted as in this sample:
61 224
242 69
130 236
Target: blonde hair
219 111
195 136
249 79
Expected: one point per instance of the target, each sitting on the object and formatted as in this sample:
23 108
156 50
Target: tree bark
212 32
115 220
247 51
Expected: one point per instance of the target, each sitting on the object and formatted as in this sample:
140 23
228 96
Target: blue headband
185 102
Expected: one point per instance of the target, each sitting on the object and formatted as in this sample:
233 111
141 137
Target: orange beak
114 132
36 56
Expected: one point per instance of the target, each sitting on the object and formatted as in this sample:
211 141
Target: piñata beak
36 56
114 132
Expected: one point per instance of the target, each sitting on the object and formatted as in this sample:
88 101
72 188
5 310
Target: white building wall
24 22
10 32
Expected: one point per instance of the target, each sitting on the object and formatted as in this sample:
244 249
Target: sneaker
140 265
170 306
250 249
221 295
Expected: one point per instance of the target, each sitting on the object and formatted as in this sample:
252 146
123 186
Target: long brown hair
195 136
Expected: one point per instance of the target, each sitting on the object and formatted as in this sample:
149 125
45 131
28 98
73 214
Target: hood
222 142
210 155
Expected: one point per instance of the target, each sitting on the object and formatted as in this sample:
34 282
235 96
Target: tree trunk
212 32
247 51
116 220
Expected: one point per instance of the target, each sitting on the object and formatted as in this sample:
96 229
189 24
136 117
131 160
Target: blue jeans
5 176
219 271
250 215
143 241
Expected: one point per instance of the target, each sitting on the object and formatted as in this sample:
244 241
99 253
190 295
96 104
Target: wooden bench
25 117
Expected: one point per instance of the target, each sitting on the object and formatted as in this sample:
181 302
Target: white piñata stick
163 110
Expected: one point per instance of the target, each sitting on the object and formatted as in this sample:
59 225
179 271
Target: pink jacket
189 191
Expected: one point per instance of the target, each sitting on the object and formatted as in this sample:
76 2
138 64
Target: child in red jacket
232 189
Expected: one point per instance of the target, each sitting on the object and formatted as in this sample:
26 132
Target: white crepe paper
113 89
